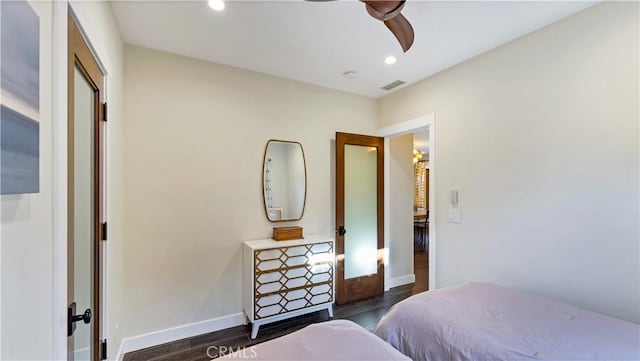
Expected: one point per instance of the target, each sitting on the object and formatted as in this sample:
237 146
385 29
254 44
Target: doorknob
85 317
341 231
72 318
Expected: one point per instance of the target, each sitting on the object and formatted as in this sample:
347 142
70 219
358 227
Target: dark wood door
359 216
85 137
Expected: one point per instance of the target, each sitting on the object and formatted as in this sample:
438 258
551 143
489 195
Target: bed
483 321
332 340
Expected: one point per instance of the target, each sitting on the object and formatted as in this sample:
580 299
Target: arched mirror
284 181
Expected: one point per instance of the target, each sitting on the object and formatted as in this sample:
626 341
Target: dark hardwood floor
421 270
366 313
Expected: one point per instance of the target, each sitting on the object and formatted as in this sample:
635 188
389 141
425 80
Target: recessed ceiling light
217 5
351 74
389 60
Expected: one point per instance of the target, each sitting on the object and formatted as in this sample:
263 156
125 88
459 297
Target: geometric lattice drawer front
291 278
288 301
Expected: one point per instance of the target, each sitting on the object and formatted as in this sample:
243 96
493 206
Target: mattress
332 340
482 321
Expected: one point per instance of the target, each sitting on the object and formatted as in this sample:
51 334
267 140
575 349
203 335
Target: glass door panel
83 210
360 202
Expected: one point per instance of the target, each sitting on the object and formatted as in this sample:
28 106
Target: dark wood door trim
366 286
80 56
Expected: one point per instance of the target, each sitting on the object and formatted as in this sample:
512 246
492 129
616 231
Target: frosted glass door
360 201
359 217
83 208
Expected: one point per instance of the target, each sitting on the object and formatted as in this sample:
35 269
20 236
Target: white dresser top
270 243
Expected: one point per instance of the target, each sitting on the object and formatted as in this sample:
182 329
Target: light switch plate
454 215
453 199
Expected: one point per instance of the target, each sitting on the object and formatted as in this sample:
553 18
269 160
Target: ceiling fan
388 11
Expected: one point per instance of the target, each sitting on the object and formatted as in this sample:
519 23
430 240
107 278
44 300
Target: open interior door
359 216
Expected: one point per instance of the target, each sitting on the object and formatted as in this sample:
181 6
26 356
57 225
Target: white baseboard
402 280
120 354
177 333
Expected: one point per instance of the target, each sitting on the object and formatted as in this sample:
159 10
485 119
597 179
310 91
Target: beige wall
29 221
195 136
401 205
540 137
98 22
26 236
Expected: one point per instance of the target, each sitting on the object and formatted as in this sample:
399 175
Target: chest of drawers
287 279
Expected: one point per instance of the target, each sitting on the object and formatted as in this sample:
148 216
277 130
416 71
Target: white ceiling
316 42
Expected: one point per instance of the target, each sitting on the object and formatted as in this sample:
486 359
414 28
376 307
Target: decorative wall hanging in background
19 98
420 191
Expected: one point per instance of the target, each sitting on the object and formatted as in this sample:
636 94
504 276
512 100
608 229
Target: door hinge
103 351
104 112
104 231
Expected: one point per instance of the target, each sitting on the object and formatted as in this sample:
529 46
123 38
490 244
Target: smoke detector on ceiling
351 74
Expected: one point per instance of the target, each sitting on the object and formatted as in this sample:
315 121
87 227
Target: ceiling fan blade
402 29
388 11
384 9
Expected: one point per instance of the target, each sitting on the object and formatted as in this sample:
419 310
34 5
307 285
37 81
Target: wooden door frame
424 122
376 284
80 55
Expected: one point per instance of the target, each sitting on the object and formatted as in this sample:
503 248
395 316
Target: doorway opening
420 255
420 157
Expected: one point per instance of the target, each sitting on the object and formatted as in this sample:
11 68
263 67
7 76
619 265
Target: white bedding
332 340
481 321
